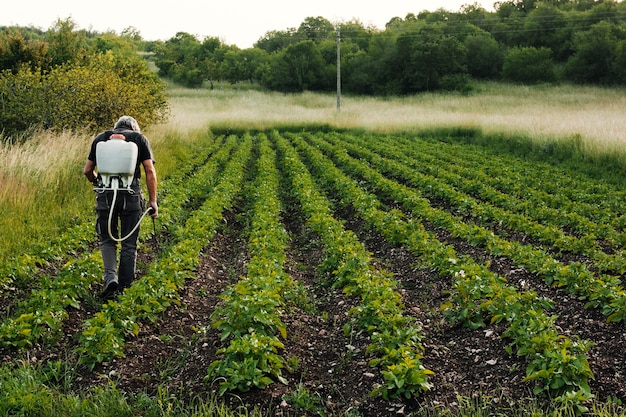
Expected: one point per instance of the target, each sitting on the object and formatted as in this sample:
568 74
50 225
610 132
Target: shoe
120 290
109 290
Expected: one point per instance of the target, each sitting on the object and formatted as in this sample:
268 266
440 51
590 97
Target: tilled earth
330 364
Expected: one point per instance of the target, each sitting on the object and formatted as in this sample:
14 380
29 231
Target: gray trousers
127 211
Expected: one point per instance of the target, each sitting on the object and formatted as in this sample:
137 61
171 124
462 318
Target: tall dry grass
40 188
543 113
38 164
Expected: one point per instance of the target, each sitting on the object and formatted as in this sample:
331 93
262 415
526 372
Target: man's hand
154 212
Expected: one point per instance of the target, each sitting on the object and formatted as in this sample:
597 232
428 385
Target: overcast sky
236 22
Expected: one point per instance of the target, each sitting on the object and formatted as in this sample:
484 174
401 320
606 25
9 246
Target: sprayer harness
117 159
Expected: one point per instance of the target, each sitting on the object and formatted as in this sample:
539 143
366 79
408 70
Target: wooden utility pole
338 69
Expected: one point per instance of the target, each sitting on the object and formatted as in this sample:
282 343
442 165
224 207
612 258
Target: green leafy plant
249 361
251 308
380 311
303 399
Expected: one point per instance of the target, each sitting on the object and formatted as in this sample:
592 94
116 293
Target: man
127 208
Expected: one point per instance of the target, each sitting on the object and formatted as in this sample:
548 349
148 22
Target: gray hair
128 123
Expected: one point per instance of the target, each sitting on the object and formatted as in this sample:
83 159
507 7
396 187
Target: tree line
523 41
67 78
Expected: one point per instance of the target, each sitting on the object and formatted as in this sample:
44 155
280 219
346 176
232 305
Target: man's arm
89 171
151 183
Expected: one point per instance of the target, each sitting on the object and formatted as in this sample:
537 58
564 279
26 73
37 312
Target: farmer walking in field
114 167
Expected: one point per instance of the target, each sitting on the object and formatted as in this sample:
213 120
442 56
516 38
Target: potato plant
419 194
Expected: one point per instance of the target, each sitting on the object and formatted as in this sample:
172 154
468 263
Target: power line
486 23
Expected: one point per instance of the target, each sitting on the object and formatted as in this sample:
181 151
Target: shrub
75 97
529 65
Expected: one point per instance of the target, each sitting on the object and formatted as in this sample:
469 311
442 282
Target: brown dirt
333 366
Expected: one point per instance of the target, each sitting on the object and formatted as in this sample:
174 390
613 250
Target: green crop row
40 316
565 192
395 337
189 188
249 316
529 214
601 290
564 215
104 334
477 291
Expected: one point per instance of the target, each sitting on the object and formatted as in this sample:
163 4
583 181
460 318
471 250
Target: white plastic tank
116 158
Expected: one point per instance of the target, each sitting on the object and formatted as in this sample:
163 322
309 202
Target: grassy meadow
542 113
42 189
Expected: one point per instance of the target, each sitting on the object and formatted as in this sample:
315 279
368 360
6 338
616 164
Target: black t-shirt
144 151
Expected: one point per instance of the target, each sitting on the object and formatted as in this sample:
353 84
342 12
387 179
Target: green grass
33 391
39 391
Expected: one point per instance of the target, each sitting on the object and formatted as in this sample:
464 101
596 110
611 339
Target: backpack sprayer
117 159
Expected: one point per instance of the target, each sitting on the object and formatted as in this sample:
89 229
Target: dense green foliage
529 64
521 41
62 79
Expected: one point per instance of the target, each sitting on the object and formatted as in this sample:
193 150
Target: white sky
235 22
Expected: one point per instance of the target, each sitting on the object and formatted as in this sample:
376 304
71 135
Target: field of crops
343 273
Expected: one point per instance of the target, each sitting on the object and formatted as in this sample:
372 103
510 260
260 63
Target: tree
16 52
529 65
276 40
509 28
79 97
210 56
20 97
297 68
356 73
65 43
64 80
180 58
355 33
316 29
427 57
595 51
111 42
374 72
547 26
619 65
242 65
484 56
525 6
132 33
